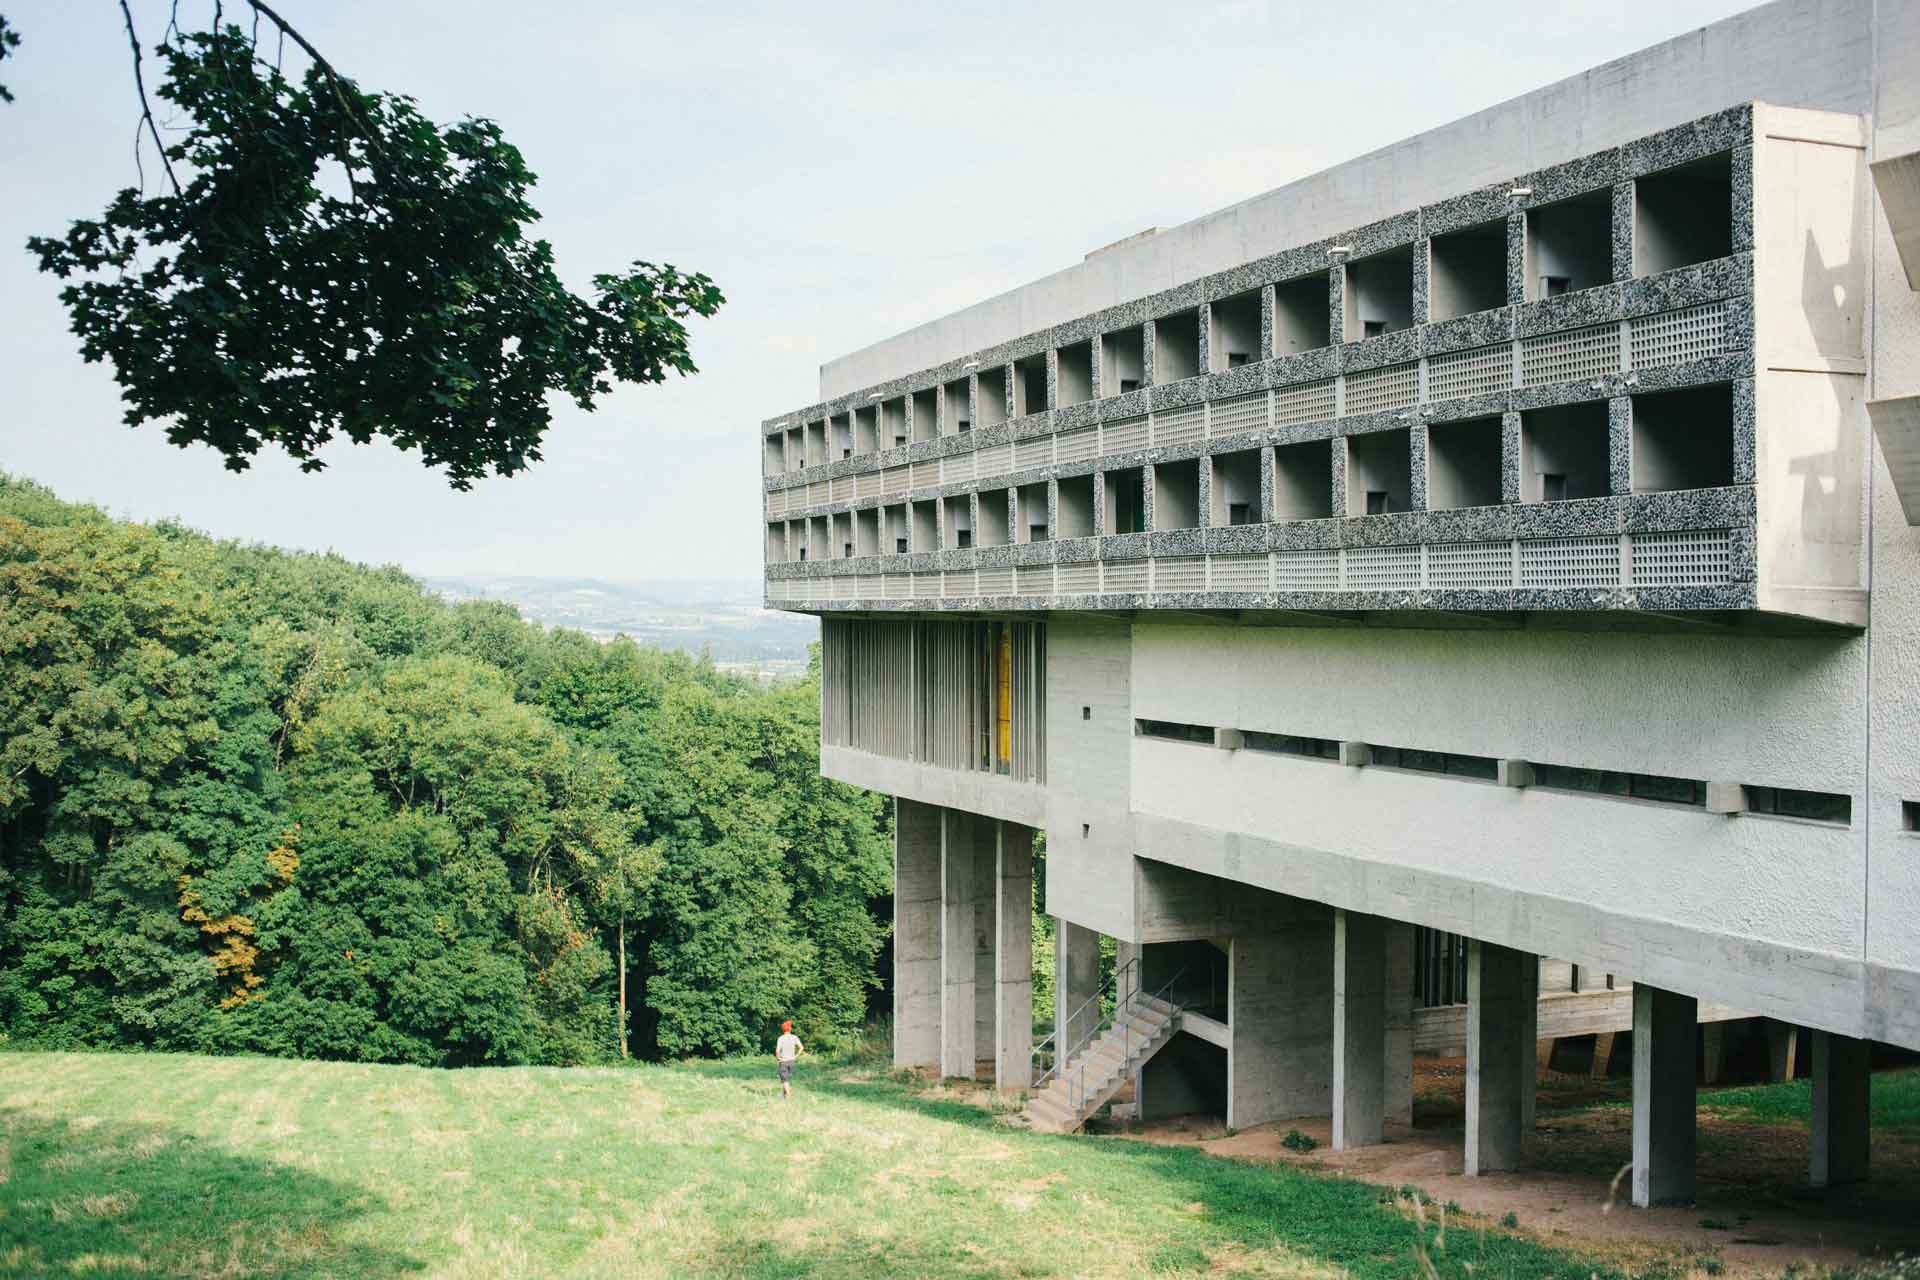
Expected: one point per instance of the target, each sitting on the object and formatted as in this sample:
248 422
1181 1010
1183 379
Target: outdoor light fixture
1339 250
971 364
874 396
1519 192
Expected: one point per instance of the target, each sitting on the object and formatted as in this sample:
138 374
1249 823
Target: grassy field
165 1165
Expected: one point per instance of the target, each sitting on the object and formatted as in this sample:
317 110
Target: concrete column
1280 1017
1502 987
1359 1029
1076 981
986 968
958 943
1125 953
1713 1052
1841 1110
916 935
1663 1116
1783 1041
1399 1093
1013 954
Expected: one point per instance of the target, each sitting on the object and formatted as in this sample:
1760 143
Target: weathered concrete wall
1806 53
1089 729
916 935
1280 1011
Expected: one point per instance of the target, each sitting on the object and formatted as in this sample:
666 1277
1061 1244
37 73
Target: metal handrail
1122 1009
1049 1047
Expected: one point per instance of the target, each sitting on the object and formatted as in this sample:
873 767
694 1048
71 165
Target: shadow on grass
1352 1226
120 1200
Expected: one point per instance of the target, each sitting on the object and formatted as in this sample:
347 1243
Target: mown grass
180 1165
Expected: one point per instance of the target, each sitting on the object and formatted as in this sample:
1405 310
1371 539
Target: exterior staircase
1070 1085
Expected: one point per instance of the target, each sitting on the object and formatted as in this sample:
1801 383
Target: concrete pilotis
1076 980
1013 957
1841 1114
916 935
1359 1029
1399 1091
1502 985
1783 1043
958 943
1663 1113
1280 1017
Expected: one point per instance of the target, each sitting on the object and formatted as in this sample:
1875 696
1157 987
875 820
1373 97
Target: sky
843 171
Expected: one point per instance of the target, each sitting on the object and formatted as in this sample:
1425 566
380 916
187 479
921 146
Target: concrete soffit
1897 424
1897 179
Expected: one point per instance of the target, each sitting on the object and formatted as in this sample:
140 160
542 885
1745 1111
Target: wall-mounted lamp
1338 251
875 395
971 364
1519 193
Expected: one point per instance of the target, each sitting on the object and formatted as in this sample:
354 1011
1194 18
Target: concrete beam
1514 773
916 935
1502 991
1664 1131
1842 1115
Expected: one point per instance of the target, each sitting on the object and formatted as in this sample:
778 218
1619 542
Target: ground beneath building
1755 1215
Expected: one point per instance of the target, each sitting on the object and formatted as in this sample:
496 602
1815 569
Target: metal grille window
1077 446
1180 426
1242 413
1314 570
1240 573
1037 452
1124 436
1033 580
1574 356
1394 387
1307 402
1439 968
1696 557
996 582
1180 573
1676 337
1078 579
1608 782
1123 575
956 466
926 474
1470 373
1382 568
996 460
1570 562
1484 566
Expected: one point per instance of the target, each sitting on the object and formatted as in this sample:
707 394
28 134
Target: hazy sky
844 171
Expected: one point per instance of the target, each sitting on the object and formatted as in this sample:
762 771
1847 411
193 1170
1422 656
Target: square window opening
1683 439
1563 453
1236 488
1303 481
1176 495
1126 501
1468 270
1123 361
1683 215
1379 472
1463 464
1076 507
957 404
1380 294
991 408
1030 385
1076 372
1569 245
1176 347
1302 315
992 529
1235 337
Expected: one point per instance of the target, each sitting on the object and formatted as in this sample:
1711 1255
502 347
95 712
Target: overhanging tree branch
146 111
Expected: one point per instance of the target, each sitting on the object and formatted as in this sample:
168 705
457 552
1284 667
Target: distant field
191 1166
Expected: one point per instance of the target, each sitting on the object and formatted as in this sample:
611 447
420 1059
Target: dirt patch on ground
1755 1214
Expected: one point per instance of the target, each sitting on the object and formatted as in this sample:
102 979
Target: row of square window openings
1682 217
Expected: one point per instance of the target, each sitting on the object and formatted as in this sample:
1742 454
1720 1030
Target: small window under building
1814 806
1288 744
1174 730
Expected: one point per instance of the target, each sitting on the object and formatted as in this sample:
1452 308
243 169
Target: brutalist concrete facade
1520 563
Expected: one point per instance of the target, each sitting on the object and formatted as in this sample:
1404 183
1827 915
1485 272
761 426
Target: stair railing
1052 1054
1123 1008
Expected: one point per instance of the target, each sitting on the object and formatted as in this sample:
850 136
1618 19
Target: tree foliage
332 263
283 803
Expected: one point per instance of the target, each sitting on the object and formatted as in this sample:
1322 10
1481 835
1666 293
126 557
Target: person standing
786 1050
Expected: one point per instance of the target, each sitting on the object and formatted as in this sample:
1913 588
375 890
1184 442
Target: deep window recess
1302 315
1607 782
1683 439
1174 730
1380 294
1122 361
1176 347
1469 270
1683 215
1030 385
1463 464
1288 744
1817 806
1570 245
959 408
1236 331
1379 469
1434 762
1910 815
1076 373
992 401
1126 501
1176 495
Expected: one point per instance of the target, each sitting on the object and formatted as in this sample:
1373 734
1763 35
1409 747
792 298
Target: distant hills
723 616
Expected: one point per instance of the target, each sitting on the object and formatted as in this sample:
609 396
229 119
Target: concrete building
1479 572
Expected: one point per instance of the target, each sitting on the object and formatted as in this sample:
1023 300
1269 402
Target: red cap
787 1025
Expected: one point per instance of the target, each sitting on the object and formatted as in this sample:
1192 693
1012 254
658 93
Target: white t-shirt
787 1048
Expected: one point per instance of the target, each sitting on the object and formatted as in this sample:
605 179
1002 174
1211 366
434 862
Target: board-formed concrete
1013 957
1280 1013
1664 1125
1076 983
917 928
959 945
1360 974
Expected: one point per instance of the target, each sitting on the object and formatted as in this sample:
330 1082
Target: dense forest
255 801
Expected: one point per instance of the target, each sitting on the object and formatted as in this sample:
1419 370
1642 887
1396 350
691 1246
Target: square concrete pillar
1664 1026
916 935
986 967
959 943
1076 981
1783 1043
1399 1095
1502 990
1842 1114
1280 1018
1013 958
1359 1029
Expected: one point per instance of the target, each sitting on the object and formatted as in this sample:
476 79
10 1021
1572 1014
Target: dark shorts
786 1072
